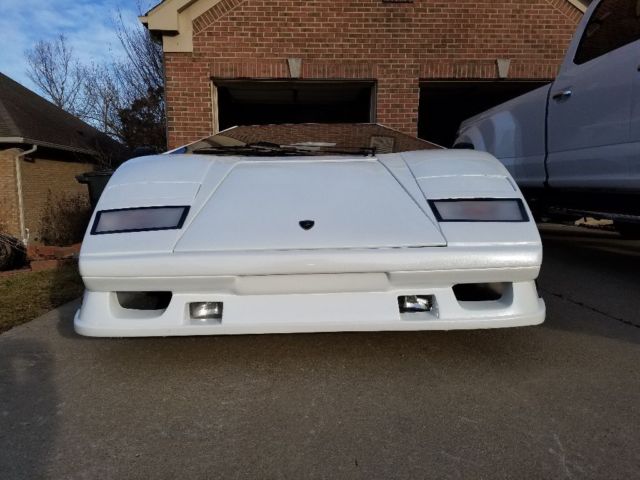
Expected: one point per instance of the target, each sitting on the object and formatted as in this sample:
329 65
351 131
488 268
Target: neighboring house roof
26 117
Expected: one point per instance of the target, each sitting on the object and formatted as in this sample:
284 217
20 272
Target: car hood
257 204
308 204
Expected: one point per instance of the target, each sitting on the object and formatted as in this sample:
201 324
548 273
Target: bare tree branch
123 98
54 70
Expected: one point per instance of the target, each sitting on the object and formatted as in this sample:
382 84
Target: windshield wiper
250 150
267 149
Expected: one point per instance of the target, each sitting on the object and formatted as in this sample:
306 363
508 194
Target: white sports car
225 237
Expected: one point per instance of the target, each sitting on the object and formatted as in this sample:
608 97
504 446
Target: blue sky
87 24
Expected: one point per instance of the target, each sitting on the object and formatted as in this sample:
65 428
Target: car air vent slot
479 292
144 300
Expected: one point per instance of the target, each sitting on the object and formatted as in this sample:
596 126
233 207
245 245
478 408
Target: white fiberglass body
309 244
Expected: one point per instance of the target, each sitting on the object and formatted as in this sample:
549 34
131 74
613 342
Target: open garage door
265 102
445 104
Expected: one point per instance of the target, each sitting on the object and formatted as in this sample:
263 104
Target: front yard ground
26 296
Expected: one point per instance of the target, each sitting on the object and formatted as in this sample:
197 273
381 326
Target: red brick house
42 149
419 66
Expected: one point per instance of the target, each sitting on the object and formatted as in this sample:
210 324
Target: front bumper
319 303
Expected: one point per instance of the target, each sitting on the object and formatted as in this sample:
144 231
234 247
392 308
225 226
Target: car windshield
305 140
267 149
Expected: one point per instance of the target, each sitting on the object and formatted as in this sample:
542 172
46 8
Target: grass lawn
26 296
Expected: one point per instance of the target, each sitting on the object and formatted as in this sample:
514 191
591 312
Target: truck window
614 24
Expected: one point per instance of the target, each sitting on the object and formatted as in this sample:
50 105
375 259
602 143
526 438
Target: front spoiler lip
102 315
91 329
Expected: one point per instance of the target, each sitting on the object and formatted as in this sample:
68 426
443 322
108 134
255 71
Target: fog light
415 303
205 310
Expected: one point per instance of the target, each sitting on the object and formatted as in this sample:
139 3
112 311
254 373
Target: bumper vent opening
144 300
479 292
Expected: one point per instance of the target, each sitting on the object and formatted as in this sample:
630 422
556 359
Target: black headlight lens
139 219
480 210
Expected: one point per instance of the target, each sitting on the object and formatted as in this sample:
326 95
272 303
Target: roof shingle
27 116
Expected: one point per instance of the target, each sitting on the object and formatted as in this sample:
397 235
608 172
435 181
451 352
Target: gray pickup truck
573 146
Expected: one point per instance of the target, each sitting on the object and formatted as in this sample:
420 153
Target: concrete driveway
557 401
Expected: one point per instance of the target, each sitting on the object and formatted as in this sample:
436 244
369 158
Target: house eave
173 21
579 5
55 146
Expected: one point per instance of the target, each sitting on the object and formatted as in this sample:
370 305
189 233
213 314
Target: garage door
267 102
445 104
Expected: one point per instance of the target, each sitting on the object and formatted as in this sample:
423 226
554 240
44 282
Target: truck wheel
12 253
6 253
464 146
628 230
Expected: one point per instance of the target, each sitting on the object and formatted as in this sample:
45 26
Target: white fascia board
578 4
22 140
173 19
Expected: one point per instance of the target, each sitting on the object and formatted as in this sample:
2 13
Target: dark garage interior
266 102
445 104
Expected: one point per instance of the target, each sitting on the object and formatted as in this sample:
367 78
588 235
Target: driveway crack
589 307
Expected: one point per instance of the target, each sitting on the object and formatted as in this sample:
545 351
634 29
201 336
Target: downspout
23 231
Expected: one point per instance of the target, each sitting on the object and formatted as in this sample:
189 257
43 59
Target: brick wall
41 176
396 44
9 220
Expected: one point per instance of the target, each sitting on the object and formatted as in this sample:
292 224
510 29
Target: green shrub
64 219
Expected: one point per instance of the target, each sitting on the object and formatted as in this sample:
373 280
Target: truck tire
628 230
12 253
6 254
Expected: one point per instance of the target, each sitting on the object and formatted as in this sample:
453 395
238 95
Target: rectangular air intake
150 301
479 292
